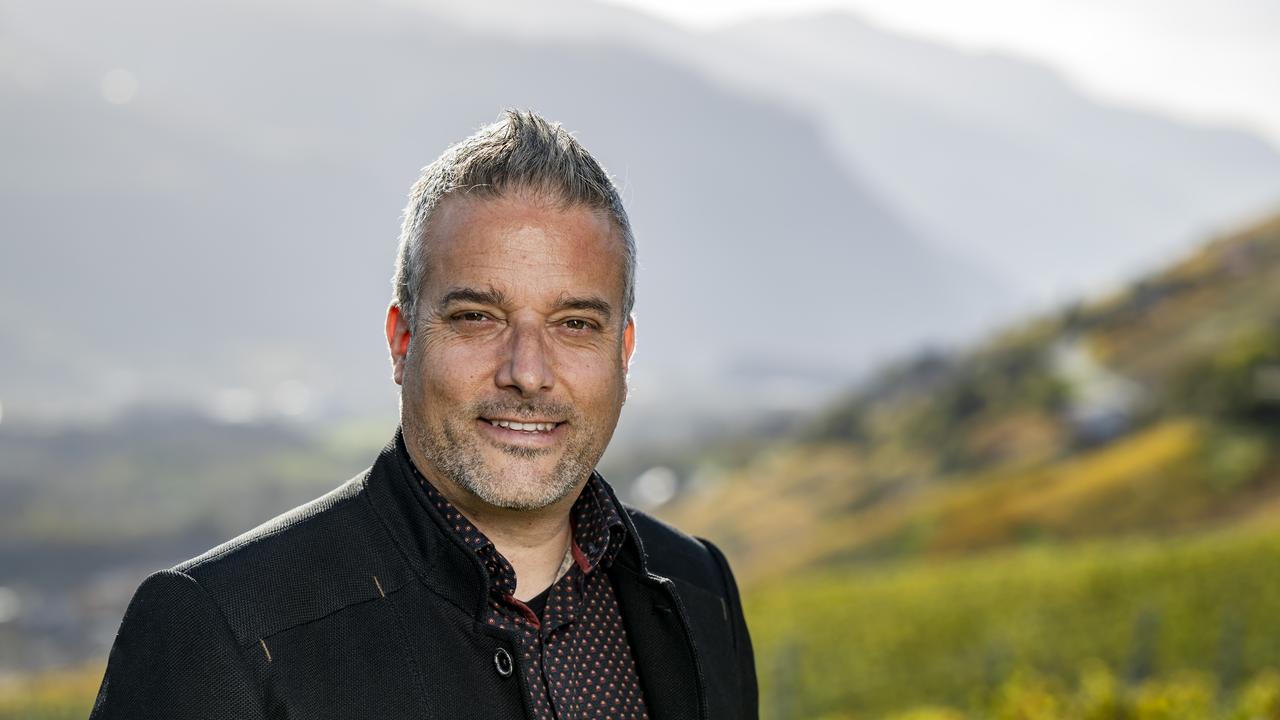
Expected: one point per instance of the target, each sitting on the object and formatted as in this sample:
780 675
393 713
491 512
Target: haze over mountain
993 156
201 201
1001 159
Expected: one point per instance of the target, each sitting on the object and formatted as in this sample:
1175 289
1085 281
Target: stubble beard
458 456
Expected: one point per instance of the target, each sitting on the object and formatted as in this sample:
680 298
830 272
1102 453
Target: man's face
515 373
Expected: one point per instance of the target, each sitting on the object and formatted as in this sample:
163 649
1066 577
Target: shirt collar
596 521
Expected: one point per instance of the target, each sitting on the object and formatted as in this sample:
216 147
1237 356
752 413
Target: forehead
522 239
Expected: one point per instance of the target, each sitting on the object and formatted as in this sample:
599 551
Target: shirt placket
560 658
561 651
546 645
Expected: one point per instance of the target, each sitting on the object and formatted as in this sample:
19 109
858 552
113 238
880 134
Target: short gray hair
521 151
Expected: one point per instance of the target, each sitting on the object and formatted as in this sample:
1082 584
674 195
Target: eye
470 317
579 324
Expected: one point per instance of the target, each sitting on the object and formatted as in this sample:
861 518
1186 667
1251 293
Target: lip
522 438
540 421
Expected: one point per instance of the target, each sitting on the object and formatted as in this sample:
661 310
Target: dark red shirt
576 658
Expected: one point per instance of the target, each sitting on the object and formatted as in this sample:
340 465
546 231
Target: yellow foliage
927 712
1028 696
1187 697
1260 699
56 695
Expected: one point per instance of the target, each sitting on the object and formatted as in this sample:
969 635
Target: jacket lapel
657 629
654 614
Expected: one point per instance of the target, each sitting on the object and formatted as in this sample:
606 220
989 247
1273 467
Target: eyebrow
589 302
495 297
488 296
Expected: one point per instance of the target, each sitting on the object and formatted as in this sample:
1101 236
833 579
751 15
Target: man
480 568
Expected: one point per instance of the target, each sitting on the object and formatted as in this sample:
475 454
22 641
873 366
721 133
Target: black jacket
357 605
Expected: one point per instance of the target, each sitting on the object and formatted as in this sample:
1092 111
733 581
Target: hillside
1116 629
1150 412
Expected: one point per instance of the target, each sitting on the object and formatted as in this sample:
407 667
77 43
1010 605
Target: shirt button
502 661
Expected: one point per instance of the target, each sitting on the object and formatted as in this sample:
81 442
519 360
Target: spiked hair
522 151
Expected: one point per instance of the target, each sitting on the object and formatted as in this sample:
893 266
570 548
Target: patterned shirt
576 657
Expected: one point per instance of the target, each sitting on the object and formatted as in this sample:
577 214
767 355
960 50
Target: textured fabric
576 658
352 606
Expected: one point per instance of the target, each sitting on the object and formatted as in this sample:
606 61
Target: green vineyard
1117 629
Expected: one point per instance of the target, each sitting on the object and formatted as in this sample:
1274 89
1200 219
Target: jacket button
502 660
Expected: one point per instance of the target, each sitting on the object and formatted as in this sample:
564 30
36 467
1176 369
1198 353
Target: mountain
993 157
1150 412
225 229
1000 158
176 169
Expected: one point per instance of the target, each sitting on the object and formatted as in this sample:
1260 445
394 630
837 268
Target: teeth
524 427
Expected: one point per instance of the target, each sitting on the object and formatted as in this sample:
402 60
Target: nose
526 366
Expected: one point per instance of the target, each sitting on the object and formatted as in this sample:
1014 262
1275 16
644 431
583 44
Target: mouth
528 426
536 434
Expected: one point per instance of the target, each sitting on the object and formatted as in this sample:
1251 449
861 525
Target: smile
529 427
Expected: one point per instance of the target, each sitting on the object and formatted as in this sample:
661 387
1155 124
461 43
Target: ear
628 342
398 335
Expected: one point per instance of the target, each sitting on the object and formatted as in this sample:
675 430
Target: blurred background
958 323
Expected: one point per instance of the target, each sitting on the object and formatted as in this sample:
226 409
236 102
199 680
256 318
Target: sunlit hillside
1150 412
1115 629
1074 520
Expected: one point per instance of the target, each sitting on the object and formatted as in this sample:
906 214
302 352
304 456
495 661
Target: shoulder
301 565
673 553
702 578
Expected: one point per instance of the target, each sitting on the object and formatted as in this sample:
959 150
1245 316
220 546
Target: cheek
596 378
448 374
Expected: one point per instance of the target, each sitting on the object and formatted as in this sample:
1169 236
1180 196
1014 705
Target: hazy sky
1210 60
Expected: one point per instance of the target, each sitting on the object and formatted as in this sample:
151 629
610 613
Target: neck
535 548
533 541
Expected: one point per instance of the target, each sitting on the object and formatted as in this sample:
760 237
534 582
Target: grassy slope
951 455
961 521
876 640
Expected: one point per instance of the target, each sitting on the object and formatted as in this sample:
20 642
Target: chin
506 476
531 498
517 486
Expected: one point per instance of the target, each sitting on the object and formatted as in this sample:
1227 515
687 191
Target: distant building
1101 403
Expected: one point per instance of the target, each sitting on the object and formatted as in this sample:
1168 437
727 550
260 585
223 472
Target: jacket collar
440 558
657 628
